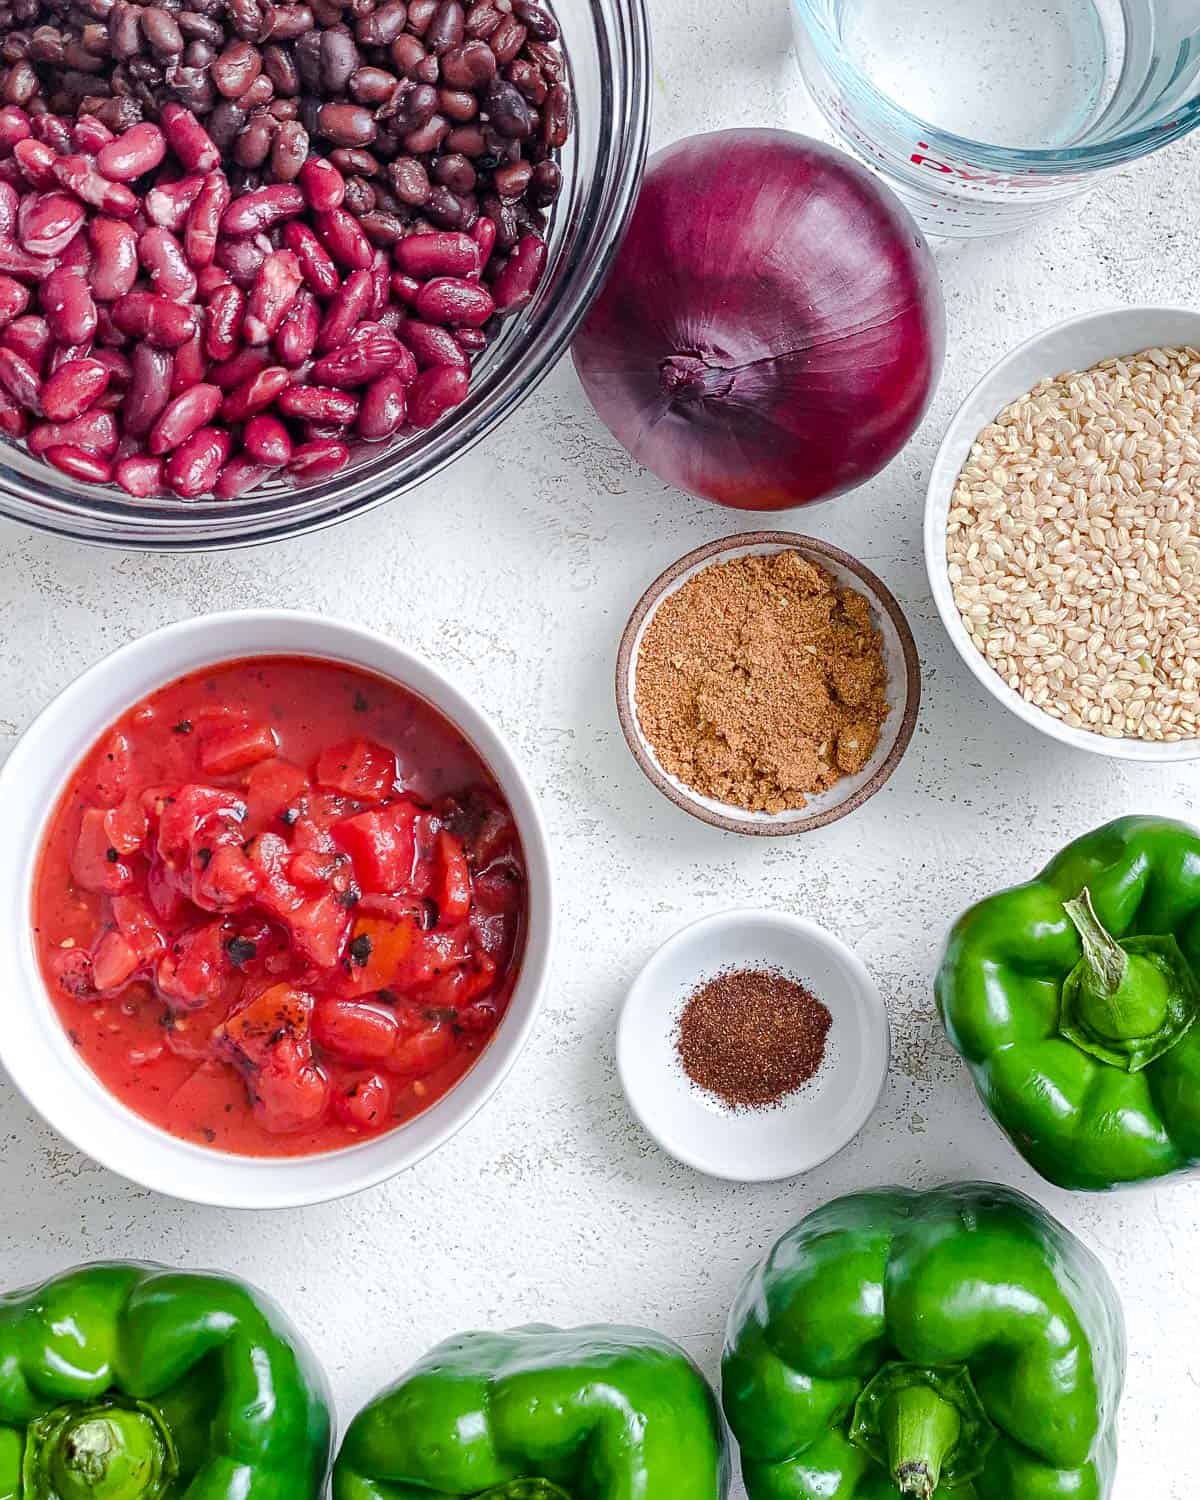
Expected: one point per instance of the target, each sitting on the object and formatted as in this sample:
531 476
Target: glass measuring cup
986 114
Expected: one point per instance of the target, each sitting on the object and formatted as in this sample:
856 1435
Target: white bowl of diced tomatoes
279 908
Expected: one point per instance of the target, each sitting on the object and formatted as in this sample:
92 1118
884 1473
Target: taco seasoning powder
752 1037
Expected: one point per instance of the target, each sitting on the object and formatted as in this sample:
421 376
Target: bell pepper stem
99 1451
920 1429
1107 960
1122 997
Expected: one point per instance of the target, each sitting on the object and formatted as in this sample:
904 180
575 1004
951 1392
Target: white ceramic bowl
33 1044
810 1125
899 656
1075 345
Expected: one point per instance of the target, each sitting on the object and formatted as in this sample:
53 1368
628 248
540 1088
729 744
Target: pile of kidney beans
176 327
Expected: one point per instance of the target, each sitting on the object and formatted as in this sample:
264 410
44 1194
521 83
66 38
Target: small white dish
1077 344
806 1128
34 1047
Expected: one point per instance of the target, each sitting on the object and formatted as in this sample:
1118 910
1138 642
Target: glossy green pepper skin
959 1344
132 1382
541 1413
1086 1115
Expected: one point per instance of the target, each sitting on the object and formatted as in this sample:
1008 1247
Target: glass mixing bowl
608 51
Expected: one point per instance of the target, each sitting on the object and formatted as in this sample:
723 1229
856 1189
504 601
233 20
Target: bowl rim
874 1009
627 712
939 492
34 1049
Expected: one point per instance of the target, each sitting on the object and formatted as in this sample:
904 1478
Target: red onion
773 327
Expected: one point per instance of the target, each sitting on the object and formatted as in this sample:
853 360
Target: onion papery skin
773 328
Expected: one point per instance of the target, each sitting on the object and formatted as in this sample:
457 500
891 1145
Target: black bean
253 145
383 25
307 57
291 21
280 68
556 118
447 28
21 83
469 140
76 56
310 112
161 30
538 22
235 69
450 210
199 28
409 181
253 20
289 151
353 160
545 184
507 110
346 124
455 172
471 66
407 53
198 55
339 60
47 45
372 85
226 123
192 88
360 196
420 14
381 227
457 105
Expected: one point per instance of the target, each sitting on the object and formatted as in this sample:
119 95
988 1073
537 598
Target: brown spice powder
762 680
752 1036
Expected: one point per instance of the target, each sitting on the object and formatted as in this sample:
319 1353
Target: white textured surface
516 571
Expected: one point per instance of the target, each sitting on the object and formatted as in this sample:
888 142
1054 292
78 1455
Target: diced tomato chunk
365 1103
358 768
193 811
236 748
451 880
355 1031
114 961
72 970
272 787
126 826
196 967
224 880
378 950
95 864
309 869
111 770
457 988
423 1050
269 1039
136 924
318 925
382 845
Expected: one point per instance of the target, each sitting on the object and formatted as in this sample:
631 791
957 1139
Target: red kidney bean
14 126
135 152
260 209
433 346
72 388
471 340
140 475
318 460
47 222
519 277
338 231
435 392
146 315
484 235
79 463
393 318
107 332
267 441
96 430
14 299
186 414
60 354
115 263
19 263
226 309
189 140
36 161
383 409
319 270
239 475
441 253
191 365
231 373
149 388
118 367
243 259
10 205
323 185
67 302
256 393
381 284
274 292
19 379
90 135
347 309
193 467
204 220
162 256
405 288
30 337
210 279
14 420
296 337
78 175
167 203
314 403
451 300
76 255
367 353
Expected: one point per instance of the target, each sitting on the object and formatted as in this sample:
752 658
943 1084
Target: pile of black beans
436 112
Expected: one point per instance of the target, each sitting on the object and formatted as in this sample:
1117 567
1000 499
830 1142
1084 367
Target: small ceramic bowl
34 1047
809 1126
900 659
1074 345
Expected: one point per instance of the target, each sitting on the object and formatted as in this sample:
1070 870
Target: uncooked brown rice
1073 544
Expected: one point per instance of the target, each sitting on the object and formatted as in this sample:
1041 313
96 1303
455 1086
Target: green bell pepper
541 1413
959 1343
132 1382
1073 999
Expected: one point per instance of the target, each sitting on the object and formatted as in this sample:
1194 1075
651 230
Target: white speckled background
516 572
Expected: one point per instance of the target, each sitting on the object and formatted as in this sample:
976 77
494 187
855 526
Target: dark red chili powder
752 1036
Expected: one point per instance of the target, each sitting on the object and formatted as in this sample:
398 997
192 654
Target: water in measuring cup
1024 74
